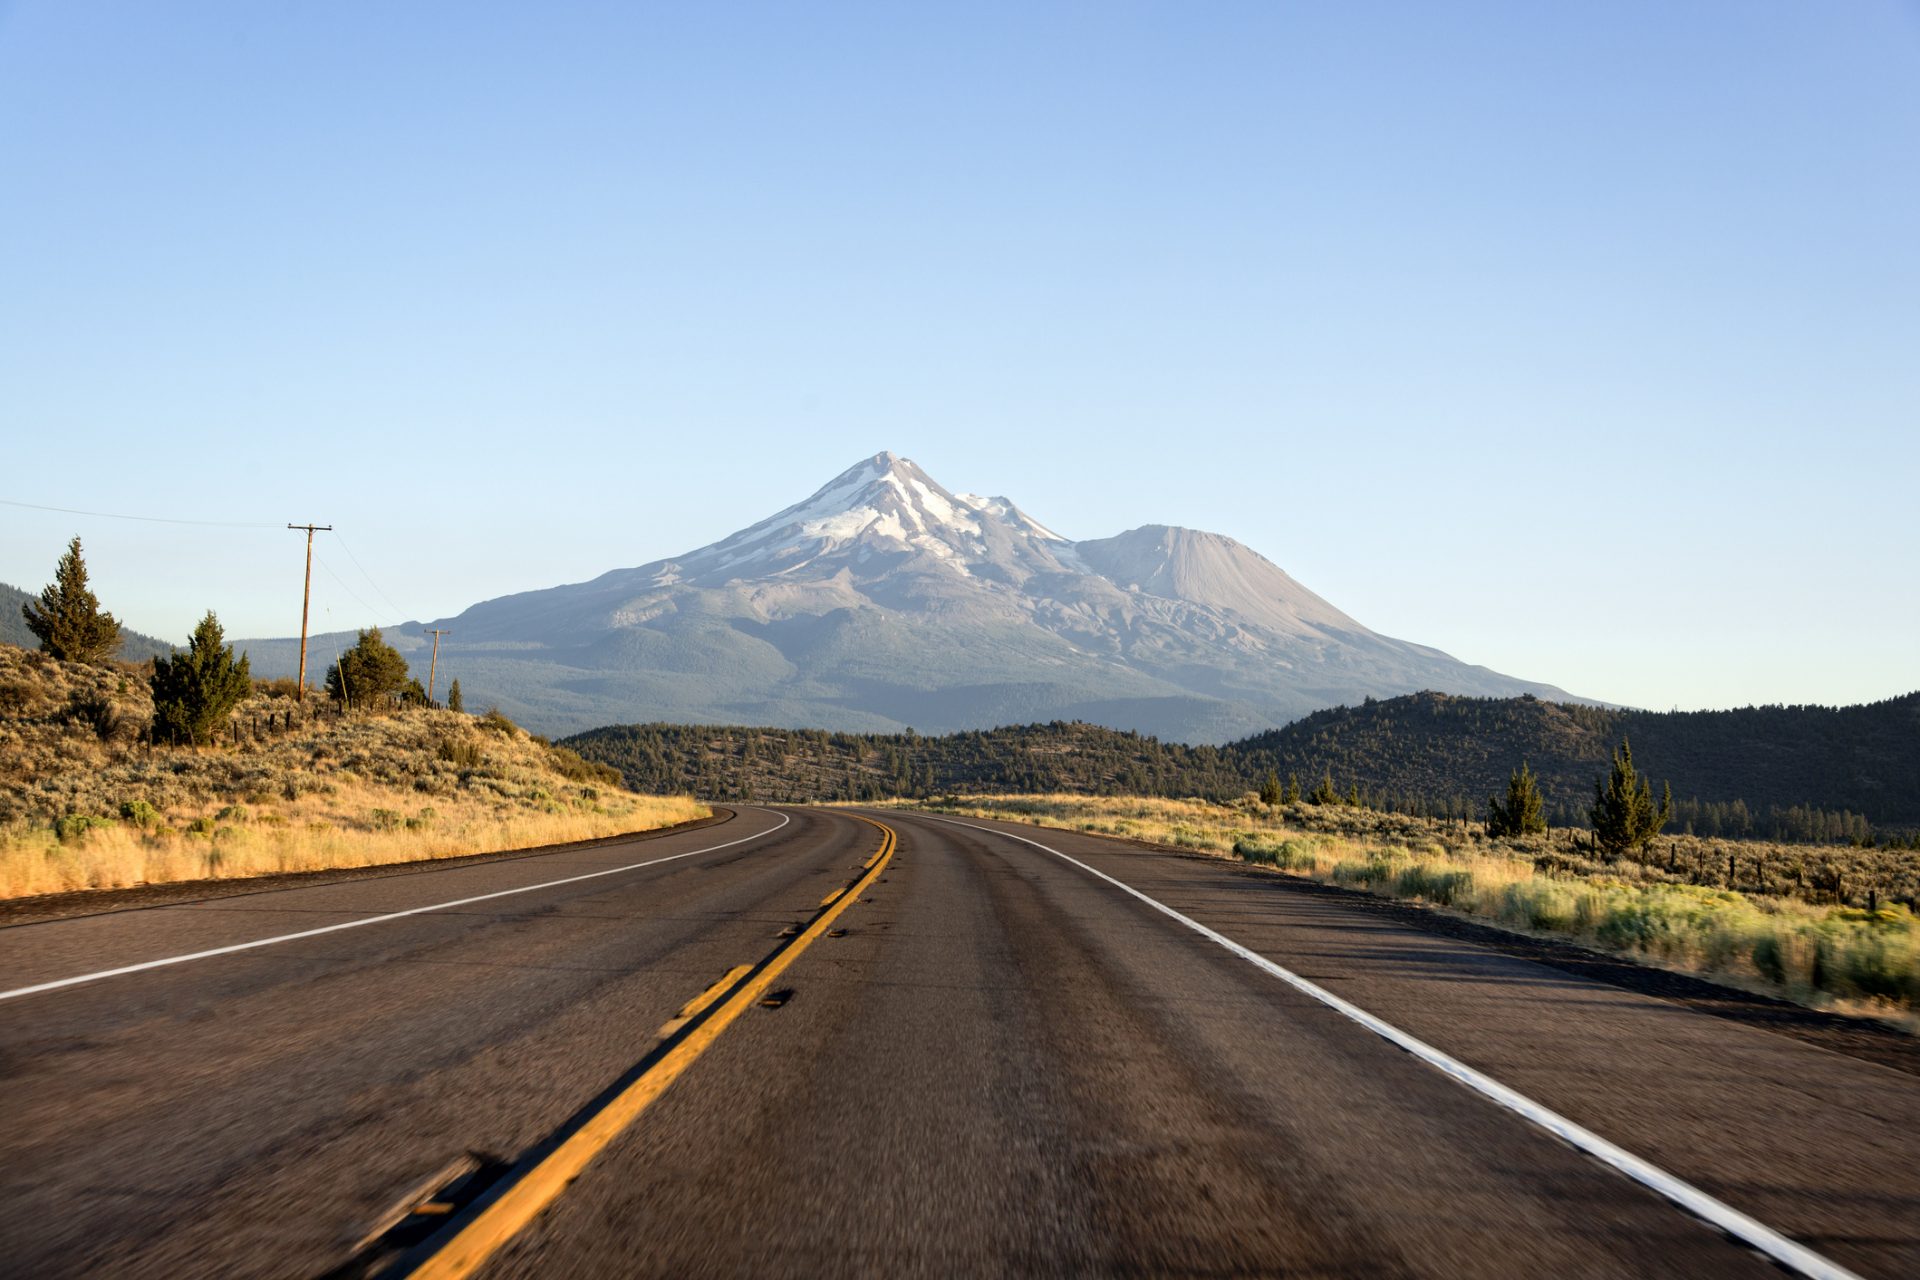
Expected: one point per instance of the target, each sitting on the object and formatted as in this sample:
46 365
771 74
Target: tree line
736 762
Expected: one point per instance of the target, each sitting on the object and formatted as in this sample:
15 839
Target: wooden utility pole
434 665
306 599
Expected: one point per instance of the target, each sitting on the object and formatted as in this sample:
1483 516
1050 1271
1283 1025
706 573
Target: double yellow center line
507 1208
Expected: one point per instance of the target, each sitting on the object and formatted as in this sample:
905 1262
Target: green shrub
140 814
76 825
463 754
1433 884
369 676
574 768
1287 855
195 690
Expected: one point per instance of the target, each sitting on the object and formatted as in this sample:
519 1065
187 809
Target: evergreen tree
1524 813
68 619
1293 789
195 690
454 701
369 675
1270 792
1323 792
1353 796
1623 813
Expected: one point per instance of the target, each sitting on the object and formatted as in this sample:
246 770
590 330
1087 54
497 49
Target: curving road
994 1059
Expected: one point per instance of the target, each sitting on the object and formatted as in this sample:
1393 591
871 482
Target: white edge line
391 915
1689 1197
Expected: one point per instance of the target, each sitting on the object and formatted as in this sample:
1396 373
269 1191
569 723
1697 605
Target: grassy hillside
85 802
1804 773
134 647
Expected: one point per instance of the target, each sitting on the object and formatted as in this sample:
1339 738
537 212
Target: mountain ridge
885 600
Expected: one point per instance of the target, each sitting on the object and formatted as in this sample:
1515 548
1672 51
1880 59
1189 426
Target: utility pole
434 665
306 599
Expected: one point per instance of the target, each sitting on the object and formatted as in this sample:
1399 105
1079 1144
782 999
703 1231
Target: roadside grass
1846 958
352 827
86 804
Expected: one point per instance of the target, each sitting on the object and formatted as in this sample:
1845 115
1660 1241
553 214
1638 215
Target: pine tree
1293 789
369 675
68 619
1270 791
1323 792
195 690
1524 813
1353 796
454 701
1623 813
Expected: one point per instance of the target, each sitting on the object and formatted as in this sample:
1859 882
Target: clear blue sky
1582 341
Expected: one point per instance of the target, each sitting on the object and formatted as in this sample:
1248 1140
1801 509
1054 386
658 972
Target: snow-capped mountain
883 507
885 601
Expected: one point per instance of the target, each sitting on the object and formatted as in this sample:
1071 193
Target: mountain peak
874 513
866 479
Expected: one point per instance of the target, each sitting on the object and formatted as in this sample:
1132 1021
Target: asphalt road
1006 1064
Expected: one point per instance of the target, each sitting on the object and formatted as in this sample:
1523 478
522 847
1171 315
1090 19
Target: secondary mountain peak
1213 570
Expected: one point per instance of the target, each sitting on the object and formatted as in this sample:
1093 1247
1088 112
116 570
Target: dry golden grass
1830 956
85 804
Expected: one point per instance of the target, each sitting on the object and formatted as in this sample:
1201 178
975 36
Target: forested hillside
1797 773
134 647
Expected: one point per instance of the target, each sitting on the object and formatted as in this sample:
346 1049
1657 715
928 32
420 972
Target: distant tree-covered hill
1780 772
134 647
1862 759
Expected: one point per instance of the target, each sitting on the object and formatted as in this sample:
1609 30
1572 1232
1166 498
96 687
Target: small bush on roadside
140 814
576 769
495 721
462 753
76 825
100 714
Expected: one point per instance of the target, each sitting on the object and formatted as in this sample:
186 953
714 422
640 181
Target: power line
397 611
114 515
373 612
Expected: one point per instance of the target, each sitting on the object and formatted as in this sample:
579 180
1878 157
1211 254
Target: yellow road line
828 900
507 1212
692 1008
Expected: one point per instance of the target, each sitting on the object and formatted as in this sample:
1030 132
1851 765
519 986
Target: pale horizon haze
1581 342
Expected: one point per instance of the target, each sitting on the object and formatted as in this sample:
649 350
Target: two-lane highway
1016 1051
